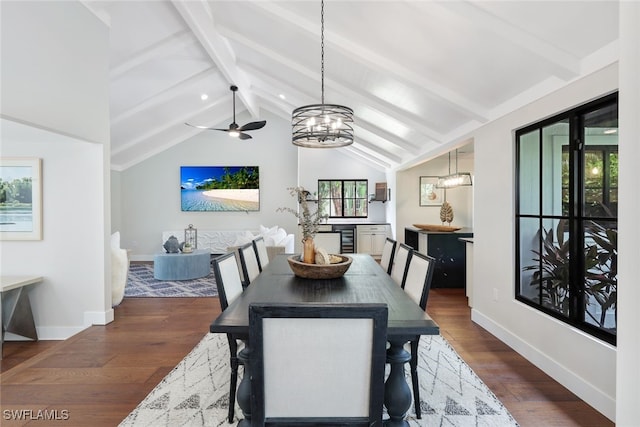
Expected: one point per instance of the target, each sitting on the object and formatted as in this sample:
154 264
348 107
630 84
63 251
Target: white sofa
218 241
119 269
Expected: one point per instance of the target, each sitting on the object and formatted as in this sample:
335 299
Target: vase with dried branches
309 221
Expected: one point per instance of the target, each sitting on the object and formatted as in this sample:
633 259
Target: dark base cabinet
448 251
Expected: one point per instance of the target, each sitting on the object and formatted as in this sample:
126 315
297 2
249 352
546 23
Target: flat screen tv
219 188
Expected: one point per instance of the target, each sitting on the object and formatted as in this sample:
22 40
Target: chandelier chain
322 51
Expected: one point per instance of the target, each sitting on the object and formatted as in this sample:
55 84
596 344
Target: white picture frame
20 198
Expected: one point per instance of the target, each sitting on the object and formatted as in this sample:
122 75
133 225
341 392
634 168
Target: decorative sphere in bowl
320 271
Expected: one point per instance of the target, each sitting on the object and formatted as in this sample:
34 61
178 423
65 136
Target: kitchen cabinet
447 249
371 238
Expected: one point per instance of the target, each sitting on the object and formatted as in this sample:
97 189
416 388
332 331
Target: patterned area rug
196 392
140 283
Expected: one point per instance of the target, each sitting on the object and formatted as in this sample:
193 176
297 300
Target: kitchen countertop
418 230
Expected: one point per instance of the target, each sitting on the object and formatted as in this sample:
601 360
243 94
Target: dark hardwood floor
98 376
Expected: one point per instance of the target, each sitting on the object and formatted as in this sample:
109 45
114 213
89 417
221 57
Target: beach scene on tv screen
220 188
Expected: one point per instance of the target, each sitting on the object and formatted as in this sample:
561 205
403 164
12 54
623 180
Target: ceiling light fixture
204 96
322 125
458 179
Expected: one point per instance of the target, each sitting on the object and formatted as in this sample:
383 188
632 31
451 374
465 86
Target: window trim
575 216
342 197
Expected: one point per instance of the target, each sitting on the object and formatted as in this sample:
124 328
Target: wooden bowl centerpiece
320 271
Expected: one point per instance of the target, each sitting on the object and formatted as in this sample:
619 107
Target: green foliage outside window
343 198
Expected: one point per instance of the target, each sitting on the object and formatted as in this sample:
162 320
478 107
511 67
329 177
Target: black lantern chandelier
322 125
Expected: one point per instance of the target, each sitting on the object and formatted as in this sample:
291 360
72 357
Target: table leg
244 389
397 394
17 316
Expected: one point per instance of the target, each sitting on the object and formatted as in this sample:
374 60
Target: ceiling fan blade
244 136
253 125
205 127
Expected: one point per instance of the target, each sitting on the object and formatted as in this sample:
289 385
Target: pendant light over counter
457 179
322 125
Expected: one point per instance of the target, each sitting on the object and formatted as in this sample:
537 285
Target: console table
448 251
182 266
16 313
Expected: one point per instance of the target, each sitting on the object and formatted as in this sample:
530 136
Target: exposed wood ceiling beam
382 107
564 64
150 133
269 81
379 62
362 142
197 15
387 136
357 152
167 45
283 110
164 96
99 12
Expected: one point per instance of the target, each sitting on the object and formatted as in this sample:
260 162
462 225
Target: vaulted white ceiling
418 74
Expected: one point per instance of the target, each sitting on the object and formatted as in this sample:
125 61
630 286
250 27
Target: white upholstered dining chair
260 248
388 250
400 263
248 263
417 283
299 356
229 284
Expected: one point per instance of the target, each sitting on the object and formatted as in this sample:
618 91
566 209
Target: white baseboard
98 317
59 333
601 402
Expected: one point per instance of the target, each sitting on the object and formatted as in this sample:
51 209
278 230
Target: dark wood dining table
364 282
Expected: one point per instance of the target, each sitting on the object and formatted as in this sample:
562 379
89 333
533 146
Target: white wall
583 364
408 209
150 191
324 163
628 368
55 62
55 75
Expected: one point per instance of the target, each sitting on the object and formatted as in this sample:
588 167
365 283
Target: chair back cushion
260 247
228 281
249 262
300 355
400 263
386 261
418 280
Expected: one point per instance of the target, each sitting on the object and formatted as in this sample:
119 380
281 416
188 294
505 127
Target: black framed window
343 198
567 216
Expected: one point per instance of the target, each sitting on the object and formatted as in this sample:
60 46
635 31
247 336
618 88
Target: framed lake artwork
429 194
219 188
20 199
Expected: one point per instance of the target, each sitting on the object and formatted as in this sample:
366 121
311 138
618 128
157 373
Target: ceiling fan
235 130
